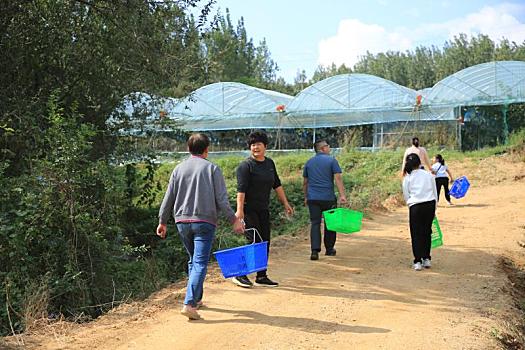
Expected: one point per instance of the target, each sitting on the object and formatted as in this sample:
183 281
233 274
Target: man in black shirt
256 177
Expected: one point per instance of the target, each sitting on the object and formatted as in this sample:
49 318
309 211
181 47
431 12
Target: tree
95 53
231 55
323 72
62 222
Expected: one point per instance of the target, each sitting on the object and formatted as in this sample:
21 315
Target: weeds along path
366 297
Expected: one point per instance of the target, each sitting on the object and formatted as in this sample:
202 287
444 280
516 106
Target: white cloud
354 38
496 22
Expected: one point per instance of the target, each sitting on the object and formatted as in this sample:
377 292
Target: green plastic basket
437 236
343 220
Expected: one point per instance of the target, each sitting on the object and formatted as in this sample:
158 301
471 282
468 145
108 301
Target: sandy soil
366 297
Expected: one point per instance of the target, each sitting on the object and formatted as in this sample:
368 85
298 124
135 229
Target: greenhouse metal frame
347 100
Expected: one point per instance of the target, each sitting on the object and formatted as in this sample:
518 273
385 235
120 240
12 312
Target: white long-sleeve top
419 186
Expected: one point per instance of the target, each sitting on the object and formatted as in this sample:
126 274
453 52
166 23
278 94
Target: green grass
369 178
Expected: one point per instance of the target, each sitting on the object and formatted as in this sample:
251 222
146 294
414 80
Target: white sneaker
427 263
417 266
449 203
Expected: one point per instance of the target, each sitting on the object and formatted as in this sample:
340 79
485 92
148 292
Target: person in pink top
420 151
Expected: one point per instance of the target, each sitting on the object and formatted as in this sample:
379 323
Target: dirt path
366 297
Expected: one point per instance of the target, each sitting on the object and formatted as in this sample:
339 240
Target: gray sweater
196 192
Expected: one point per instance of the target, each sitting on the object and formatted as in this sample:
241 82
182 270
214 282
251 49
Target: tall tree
323 72
93 53
232 56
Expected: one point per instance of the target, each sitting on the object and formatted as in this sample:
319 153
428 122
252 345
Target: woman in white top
442 174
419 190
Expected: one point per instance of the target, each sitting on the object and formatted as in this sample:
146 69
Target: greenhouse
340 101
492 83
230 106
352 99
140 112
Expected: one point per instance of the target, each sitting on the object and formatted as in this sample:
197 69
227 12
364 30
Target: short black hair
415 141
257 136
317 144
197 143
412 162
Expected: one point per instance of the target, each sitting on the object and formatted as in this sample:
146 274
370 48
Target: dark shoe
315 255
330 252
265 282
242 281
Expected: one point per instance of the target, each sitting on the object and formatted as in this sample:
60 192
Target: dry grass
513 335
35 305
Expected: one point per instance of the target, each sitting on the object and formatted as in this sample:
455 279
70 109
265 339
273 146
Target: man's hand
289 209
238 226
240 215
343 199
162 231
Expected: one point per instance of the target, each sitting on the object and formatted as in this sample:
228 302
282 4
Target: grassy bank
142 263
372 181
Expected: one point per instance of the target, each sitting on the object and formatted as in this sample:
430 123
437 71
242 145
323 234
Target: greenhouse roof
492 83
225 106
139 112
342 100
351 99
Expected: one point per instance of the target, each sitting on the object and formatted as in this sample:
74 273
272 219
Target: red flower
280 108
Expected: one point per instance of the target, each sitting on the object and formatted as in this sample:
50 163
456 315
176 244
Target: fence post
504 110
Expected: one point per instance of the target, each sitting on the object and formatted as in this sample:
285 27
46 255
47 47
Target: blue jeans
197 238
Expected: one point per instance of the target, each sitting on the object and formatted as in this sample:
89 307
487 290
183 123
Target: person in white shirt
419 190
442 173
420 151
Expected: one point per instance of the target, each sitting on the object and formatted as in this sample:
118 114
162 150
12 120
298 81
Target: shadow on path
297 323
459 205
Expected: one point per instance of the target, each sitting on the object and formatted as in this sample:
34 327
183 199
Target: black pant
316 209
260 220
443 181
421 216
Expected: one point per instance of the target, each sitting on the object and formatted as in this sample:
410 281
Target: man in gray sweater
196 193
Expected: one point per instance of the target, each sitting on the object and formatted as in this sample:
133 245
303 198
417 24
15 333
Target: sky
301 34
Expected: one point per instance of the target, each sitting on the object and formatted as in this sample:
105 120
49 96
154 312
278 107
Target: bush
63 243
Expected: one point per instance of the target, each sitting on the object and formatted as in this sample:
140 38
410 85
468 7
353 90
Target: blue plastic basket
243 260
459 187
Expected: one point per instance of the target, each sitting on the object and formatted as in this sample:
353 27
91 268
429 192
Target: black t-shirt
256 179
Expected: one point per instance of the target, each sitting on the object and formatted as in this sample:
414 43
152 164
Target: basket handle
255 231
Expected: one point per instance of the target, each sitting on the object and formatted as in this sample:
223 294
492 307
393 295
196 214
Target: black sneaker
242 281
265 282
330 252
315 255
